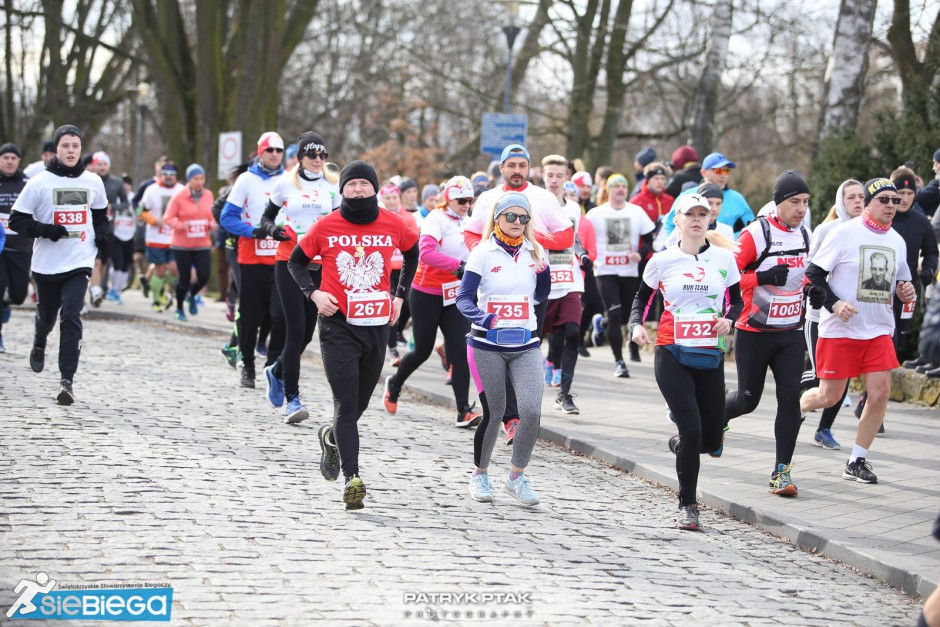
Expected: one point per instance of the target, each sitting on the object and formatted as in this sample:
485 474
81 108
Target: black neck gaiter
60 169
360 210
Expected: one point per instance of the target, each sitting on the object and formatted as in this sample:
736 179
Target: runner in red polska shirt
772 258
355 244
433 299
300 198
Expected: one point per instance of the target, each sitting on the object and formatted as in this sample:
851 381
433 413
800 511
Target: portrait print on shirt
876 279
70 210
618 234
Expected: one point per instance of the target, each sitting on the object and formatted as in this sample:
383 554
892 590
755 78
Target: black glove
586 263
461 269
775 276
54 232
817 296
279 234
927 277
103 243
259 233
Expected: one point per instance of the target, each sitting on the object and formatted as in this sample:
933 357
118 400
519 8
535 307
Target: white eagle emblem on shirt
358 272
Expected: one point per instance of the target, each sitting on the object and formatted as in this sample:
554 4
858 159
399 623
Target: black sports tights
185 259
617 293
300 320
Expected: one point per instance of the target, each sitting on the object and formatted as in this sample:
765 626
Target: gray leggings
490 370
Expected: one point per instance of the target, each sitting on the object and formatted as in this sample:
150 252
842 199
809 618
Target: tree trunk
847 70
585 68
705 100
617 58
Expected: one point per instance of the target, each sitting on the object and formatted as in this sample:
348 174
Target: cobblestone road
166 471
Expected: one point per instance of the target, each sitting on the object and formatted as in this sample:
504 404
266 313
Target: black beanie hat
406 184
903 181
876 186
8 147
710 190
48 146
359 170
62 131
789 184
310 143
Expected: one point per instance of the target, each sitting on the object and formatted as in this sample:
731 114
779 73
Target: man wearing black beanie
357 304
17 250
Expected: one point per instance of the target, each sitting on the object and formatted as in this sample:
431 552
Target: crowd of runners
505 277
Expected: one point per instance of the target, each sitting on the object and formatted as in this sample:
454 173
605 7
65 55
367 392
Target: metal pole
508 81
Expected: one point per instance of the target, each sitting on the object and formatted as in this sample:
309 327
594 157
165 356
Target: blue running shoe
824 439
193 309
199 301
295 411
721 448
5 313
556 378
179 316
112 296
275 387
598 331
231 355
548 372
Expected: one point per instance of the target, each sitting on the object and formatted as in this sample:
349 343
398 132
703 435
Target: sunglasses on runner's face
464 201
884 200
722 170
512 217
319 155
274 150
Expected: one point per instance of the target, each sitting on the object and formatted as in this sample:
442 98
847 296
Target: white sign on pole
230 152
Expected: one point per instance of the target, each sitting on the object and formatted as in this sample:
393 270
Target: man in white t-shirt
849 272
624 238
65 209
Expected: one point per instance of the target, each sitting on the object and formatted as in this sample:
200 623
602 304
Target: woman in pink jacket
189 214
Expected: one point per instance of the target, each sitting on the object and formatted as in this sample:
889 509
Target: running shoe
521 489
468 418
329 455
37 358
274 387
439 349
295 411
248 377
230 355
824 439
168 301
156 308
179 316
480 489
5 312
674 444
556 378
144 285
390 399
262 349
688 517
198 300
780 483
721 447
583 351
112 296
510 427
65 395
620 370
449 377
3 348
354 493
97 295
547 366
193 307
859 470
230 311
598 331
566 404
396 357
118 298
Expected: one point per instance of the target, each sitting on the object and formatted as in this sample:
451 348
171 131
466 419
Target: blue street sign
502 129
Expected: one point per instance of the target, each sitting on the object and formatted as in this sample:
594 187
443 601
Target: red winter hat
683 155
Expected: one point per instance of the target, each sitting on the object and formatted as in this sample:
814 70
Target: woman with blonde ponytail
307 193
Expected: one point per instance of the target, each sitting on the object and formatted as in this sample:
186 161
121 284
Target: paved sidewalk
883 530
165 471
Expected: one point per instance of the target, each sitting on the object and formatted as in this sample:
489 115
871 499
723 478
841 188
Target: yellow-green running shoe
354 493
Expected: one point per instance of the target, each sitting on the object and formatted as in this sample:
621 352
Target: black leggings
122 254
591 300
300 320
186 259
696 399
429 314
254 303
14 276
828 414
563 350
782 351
403 315
352 358
617 293
68 293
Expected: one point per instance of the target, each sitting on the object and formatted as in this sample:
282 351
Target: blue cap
169 168
717 160
514 150
291 151
570 187
508 201
194 170
646 156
